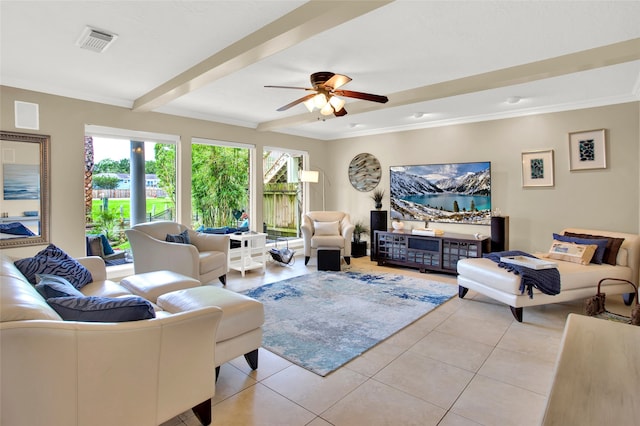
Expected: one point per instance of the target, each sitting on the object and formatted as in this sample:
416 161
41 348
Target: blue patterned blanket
545 280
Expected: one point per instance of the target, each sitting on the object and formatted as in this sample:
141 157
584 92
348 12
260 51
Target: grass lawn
118 205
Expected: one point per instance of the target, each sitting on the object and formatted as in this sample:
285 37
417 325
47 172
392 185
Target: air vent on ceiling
95 40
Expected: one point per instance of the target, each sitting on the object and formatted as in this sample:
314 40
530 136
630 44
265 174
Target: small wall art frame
587 150
537 168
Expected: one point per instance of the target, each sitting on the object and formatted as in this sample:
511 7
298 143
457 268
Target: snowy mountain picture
456 193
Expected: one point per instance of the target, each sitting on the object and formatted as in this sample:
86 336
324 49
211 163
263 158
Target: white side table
252 250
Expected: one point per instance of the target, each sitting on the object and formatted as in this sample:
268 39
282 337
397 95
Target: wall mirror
24 183
364 172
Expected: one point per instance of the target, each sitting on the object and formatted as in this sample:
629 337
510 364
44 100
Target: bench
577 281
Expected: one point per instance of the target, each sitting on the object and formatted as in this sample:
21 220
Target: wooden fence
125 193
280 209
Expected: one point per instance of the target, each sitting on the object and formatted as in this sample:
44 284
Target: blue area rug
322 320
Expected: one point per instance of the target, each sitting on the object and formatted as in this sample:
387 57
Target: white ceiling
454 61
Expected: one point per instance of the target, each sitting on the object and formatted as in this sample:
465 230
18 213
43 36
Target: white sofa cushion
151 285
22 302
19 300
240 314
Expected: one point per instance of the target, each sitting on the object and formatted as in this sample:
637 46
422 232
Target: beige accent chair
205 259
327 229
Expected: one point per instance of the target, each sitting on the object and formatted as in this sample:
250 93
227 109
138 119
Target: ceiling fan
325 94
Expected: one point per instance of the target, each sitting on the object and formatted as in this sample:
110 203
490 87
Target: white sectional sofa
577 281
68 373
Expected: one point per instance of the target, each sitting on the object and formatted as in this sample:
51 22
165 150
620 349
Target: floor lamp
312 176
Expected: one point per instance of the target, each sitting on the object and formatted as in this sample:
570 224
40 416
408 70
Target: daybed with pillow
142 367
327 229
618 256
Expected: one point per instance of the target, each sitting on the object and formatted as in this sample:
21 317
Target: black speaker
378 223
499 233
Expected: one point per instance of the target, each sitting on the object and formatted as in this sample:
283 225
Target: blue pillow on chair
102 309
182 238
105 247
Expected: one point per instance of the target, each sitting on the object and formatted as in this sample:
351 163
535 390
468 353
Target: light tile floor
468 362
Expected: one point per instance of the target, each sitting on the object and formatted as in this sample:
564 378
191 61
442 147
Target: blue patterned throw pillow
54 261
102 309
182 238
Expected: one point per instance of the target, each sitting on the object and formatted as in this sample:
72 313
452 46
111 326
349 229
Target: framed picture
537 168
587 150
21 181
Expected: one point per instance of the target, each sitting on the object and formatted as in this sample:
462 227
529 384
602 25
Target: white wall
604 199
598 199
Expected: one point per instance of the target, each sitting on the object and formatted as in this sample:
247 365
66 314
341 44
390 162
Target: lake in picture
445 201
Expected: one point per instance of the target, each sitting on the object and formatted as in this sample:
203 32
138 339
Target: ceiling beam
310 19
584 60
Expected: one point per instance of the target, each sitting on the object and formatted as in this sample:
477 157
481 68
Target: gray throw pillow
54 286
182 238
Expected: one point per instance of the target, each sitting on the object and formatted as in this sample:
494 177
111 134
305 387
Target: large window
220 185
283 199
109 165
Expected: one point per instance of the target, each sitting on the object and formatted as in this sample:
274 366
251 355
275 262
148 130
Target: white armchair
327 229
205 259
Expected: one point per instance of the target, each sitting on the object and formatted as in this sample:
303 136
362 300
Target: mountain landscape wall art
453 193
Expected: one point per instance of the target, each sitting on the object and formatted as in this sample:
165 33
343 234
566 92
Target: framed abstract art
537 168
587 150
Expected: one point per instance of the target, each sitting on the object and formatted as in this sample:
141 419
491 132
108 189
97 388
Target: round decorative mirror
364 172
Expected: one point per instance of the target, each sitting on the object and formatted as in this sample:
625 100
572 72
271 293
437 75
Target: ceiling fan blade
364 96
340 113
290 87
296 102
337 80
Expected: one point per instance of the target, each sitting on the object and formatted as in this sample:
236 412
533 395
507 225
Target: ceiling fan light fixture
320 100
310 104
327 109
324 85
337 103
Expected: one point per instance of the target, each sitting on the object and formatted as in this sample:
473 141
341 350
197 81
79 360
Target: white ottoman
151 285
240 330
